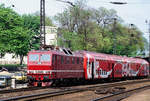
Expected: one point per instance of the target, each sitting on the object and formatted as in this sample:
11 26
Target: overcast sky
135 12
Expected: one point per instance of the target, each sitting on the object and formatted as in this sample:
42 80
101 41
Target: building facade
51 35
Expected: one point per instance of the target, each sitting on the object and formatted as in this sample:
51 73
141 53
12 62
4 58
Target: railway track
21 89
121 95
38 88
73 90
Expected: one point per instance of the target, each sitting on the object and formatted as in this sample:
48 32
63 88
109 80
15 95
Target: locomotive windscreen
39 58
34 57
45 57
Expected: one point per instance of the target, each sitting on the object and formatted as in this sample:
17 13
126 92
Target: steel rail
73 90
120 83
41 95
21 89
38 88
121 95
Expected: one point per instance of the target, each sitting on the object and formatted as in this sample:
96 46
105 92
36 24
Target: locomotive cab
39 68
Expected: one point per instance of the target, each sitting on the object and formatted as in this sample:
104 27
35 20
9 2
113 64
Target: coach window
62 60
57 58
53 59
77 60
82 60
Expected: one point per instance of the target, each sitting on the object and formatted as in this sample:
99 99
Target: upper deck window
45 57
33 57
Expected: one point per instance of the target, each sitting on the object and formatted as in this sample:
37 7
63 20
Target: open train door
93 70
89 67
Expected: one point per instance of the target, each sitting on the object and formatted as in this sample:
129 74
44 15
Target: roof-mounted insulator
67 51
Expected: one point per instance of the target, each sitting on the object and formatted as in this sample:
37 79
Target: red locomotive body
45 67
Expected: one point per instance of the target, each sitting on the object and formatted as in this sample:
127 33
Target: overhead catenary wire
122 2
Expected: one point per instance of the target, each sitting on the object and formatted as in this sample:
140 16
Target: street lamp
114 26
67 2
118 3
114 35
131 28
70 3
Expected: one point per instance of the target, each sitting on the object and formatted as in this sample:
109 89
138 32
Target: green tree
19 42
32 22
14 37
93 30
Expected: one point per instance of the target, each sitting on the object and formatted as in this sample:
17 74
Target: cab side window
73 60
58 59
67 60
53 59
81 61
62 59
77 60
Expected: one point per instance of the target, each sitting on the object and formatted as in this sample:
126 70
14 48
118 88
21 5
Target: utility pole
42 24
148 22
114 35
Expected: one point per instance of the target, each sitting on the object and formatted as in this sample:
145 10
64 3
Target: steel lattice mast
42 24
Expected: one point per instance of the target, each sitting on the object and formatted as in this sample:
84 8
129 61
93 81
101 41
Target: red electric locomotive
45 67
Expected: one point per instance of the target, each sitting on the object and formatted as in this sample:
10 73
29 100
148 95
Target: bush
11 67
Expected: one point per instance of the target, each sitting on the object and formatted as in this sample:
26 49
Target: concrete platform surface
141 96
